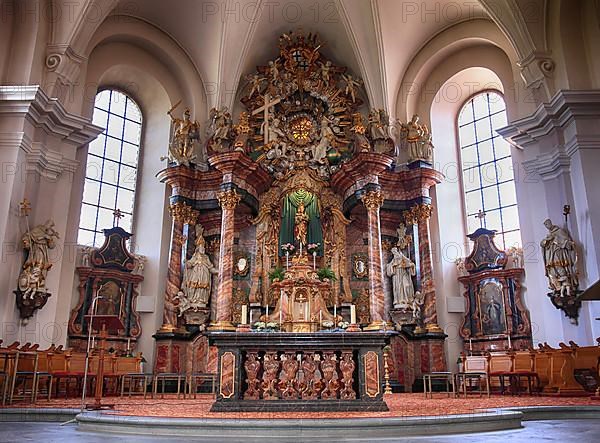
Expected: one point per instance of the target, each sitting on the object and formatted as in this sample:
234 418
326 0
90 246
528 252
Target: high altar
301 213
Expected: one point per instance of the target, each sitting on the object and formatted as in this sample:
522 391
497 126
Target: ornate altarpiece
108 284
300 140
494 299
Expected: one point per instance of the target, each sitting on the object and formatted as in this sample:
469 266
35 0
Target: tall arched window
487 171
111 170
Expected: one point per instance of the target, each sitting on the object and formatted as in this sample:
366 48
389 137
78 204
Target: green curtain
311 207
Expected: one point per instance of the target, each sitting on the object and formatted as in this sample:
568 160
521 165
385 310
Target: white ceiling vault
226 39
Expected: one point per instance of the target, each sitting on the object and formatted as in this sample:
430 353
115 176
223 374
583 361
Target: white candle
470 344
320 317
306 311
128 344
244 314
314 260
287 259
353 314
267 316
509 344
334 313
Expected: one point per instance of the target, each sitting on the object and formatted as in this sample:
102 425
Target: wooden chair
525 373
473 377
500 367
43 373
23 376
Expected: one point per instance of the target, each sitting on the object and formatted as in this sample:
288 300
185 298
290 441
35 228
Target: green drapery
311 207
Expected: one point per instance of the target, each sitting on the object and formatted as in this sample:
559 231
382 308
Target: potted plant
277 274
326 274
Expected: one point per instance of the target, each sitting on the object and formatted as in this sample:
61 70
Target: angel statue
560 260
220 129
186 133
197 277
351 86
255 81
37 242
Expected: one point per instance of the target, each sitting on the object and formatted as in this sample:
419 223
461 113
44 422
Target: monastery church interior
423 169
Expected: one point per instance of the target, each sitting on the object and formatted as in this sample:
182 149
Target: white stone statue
221 128
37 242
197 277
138 264
416 138
560 260
461 267
401 269
86 256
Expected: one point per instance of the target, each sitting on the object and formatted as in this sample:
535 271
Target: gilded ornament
229 199
372 199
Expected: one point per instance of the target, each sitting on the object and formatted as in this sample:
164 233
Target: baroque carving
372 200
229 199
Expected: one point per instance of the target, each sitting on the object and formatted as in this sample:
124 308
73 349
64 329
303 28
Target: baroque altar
291 223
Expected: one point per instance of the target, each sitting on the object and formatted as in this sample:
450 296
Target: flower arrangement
261 326
326 273
313 248
277 274
288 248
343 325
327 324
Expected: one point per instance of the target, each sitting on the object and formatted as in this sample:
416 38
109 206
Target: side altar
307 218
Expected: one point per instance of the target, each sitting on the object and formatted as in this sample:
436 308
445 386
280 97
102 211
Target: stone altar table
320 371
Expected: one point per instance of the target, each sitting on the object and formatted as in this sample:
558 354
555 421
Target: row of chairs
184 385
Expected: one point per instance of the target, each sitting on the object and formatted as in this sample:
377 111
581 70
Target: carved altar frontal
300 372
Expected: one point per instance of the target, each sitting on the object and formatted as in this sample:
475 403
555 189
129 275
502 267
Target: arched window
111 170
487 171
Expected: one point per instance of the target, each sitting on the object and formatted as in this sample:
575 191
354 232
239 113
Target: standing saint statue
301 225
401 269
197 277
37 242
186 132
560 260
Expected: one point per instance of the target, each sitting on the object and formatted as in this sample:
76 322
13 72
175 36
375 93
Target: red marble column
182 214
373 201
224 315
420 215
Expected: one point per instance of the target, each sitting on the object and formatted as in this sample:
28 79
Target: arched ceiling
375 39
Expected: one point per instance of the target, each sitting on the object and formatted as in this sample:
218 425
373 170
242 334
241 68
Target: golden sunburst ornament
301 129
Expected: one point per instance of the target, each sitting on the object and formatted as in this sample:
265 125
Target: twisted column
373 201
182 215
224 315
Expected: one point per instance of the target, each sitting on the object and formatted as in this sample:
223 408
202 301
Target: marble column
420 215
223 322
373 200
182 215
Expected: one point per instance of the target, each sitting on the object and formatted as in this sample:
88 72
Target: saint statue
197 277
560 260
37 242
181 148
301 225
220 128
417 139
401 269
378 129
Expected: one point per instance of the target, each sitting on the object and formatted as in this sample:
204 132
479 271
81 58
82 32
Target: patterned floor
400 405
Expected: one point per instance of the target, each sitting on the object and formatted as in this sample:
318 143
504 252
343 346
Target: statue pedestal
402 317
197 317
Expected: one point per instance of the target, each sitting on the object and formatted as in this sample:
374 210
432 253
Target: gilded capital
183 213
372 199
417 213
229 199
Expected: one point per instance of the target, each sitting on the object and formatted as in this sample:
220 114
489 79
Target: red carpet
401 405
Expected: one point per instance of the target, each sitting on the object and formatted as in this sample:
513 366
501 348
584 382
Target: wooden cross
25 207
481 216
117 216
265 109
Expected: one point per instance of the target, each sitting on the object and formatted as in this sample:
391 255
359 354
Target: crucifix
481 216
117 215
265 109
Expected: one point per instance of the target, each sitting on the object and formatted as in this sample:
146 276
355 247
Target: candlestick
353 314
244 314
